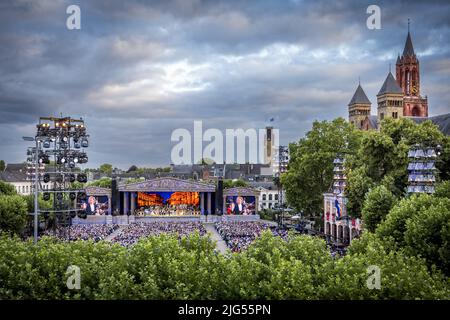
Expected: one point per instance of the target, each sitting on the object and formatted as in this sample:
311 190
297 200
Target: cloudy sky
137 70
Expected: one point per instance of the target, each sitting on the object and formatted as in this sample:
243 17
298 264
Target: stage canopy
168 184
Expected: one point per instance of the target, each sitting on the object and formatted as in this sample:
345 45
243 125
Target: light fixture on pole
36 178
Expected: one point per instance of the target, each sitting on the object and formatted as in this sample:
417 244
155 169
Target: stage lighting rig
55 161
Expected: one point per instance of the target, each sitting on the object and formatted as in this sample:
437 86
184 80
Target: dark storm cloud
137 70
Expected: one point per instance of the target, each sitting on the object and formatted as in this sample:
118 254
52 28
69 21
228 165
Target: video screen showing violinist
96 205
244 205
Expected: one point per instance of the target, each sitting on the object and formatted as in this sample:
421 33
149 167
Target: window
395 115
264 197
381 116
270 197
276 197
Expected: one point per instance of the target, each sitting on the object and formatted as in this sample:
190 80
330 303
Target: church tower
359 107
408 78
390 100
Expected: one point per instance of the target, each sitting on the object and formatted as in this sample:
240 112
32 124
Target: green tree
376 206
395 223
428 234
229 183
420 226
13 213
134 180
43 205
381 158
104 182
77 185
106 168
169 267
358 183
402 276
7 188
310 171
443 189
132 168
2 165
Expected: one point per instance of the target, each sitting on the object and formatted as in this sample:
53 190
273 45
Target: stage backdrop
145 199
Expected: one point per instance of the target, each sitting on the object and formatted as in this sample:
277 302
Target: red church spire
408 78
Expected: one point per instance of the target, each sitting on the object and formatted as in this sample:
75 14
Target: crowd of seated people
94 232
133 232
336 251
238 235
168 210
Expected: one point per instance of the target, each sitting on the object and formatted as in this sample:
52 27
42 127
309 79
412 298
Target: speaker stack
219 196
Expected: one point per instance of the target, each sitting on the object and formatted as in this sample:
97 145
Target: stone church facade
398 97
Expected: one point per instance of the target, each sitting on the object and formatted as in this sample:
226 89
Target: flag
338 208
272 119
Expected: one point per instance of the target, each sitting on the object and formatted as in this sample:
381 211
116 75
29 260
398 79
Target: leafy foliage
420 225
373 158
428 234
443 189
106 168
7 188
310 171
13 213
376 206
360 184
104 182
229 183
163 267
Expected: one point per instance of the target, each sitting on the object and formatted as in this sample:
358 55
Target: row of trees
163 267
374 158
14 209
376 162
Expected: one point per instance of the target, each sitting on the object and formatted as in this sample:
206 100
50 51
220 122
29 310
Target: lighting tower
422 168
60 144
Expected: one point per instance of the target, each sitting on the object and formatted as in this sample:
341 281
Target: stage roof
168 184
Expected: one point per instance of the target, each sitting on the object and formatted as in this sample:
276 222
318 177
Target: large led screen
241 205
146 199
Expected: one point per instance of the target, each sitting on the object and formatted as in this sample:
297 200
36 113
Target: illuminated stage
172 199
167 197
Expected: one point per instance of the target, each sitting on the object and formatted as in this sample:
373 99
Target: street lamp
36 166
